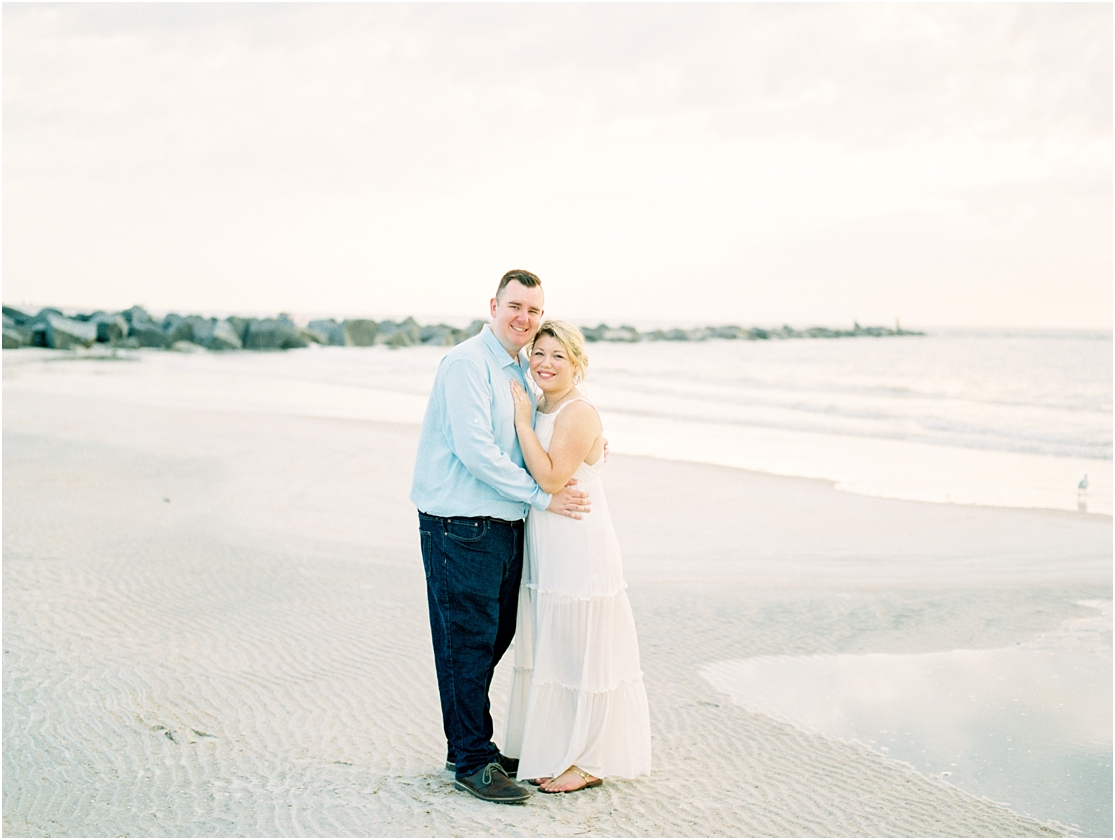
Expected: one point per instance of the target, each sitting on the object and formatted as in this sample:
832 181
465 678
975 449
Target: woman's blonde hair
572 339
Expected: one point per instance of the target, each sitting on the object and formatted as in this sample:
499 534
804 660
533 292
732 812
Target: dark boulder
240 326
68 333
192 328
299 339
395 338
624 333
223 336
18 317
142 328
403 334
472 329
111 329
45 311
38 334
360 332
439 335
326 332
175 328
274 334
148 334
201 329
16 333
729 331
821 332
137 315
411 329
605 333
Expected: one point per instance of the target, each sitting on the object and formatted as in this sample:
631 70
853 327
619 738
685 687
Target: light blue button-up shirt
469 462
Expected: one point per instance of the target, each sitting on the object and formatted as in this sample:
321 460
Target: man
473 493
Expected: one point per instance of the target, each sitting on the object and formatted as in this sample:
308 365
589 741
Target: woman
578 708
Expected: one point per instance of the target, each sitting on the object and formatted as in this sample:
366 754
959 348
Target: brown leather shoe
492 784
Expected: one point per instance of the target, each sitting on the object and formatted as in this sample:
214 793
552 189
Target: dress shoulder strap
561 407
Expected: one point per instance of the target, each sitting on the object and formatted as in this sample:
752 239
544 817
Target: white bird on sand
1083 485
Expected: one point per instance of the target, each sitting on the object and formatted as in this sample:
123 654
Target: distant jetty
135 328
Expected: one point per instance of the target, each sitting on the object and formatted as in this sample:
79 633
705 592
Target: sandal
590 782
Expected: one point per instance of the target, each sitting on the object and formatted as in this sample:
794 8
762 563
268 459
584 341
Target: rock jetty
135 328
606 333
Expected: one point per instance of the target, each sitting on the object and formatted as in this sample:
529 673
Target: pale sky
948 164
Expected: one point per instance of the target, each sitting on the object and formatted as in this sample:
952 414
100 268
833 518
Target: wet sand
214 624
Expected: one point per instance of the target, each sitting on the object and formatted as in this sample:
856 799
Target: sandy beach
214 624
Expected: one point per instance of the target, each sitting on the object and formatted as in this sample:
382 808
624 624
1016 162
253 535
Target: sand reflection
1028 726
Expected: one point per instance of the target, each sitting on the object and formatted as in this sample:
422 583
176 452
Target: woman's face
551 366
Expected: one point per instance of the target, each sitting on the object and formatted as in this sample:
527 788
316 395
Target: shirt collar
490 340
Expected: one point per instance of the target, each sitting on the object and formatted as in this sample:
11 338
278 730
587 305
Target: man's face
516 314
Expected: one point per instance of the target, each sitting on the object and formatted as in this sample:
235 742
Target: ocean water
990 418
1014 419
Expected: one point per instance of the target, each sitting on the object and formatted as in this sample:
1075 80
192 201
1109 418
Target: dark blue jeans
473 568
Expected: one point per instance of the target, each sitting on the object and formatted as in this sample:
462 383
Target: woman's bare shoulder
578 413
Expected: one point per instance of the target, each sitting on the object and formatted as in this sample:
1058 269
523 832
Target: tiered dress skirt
577 696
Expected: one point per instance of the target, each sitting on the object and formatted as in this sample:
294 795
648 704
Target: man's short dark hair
524 277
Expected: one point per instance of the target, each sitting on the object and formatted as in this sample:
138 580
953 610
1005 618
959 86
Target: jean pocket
427 540
466 530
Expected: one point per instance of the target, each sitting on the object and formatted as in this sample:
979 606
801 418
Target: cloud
318 156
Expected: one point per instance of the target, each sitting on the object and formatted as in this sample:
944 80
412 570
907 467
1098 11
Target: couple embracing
517 544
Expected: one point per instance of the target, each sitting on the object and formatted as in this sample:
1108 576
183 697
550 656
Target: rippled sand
215 625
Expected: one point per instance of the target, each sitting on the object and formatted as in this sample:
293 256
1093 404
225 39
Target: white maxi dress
577 696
